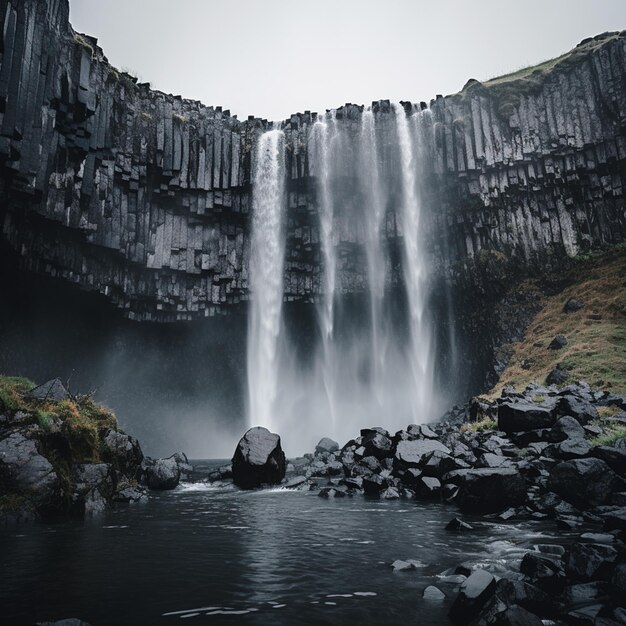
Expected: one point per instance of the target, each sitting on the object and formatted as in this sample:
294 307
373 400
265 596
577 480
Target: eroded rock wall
145 197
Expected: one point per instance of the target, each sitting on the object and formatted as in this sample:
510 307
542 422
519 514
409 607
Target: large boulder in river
521 415
583 482
123 451
161 474
259 459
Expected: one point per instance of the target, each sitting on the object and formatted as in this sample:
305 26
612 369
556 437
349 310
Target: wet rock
585 592
377 445
222 473
488 490
558 343
523 415
429 488
161 474
457 524
124 452
412 453
391 493
332 492
53 390
373 484
473 595
517 616
258 459
184 466
129 492
615 520
588 561
402 566
92 485
583 482
24 470
544 572
296 481
619 578
433 593
526 595
326 445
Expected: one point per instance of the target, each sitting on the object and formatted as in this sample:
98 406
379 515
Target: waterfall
266 278
414 265
372 193
362 360
325 137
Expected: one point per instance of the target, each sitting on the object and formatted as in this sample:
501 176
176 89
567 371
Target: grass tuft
486 423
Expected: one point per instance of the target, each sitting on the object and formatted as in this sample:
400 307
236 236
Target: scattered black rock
557 376
458 524
573 305
475 592
558 343
583 482
259 459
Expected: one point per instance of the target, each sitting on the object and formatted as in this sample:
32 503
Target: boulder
185 467
567 427
557 376
93 484
577 407
412 453
124 452
488 490
615 458
543 571
457 524
53 390
433 593
588 561
583 482
258 459
377 445
161 474
517 616
558 343
522 415
573 305
474 593
24 470
326 445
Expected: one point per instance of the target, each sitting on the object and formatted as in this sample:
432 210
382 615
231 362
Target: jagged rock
124 452
184 466
567 427
377 444
92 485
458 524
412 453
488 490
24 470
558 343
127 493
161 474
326 445
583 482
259 459
473 595
615 458
585 561
53 391
579 408
544 572
572 449
373 484
523 415
429 488
557 376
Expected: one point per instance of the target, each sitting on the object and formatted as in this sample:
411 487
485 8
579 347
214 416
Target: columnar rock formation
145 196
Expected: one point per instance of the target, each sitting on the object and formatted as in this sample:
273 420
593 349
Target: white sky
271 58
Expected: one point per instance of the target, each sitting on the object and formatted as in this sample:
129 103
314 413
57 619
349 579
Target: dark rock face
161 474
515 416
158 186
258 459
583 482
26 470
473 595
53 390
124 452
489 490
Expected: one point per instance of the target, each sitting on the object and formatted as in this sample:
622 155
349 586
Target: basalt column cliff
145 197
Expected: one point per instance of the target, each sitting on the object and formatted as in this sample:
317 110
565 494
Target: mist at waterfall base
368 354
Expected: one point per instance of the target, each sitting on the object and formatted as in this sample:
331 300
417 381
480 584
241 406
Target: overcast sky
271 58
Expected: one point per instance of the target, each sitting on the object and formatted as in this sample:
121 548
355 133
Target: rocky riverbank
545 453
64 455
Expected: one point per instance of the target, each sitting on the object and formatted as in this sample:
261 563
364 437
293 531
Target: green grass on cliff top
508 88
596 334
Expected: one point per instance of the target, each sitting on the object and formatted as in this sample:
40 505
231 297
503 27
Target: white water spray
415 271
266 279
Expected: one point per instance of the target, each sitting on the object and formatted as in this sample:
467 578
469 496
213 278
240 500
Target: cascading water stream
414 267
266 278
376 266
325 136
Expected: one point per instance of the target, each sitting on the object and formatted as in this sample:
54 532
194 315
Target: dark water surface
217 555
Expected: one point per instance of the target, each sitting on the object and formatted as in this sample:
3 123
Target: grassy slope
596 348
508 88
